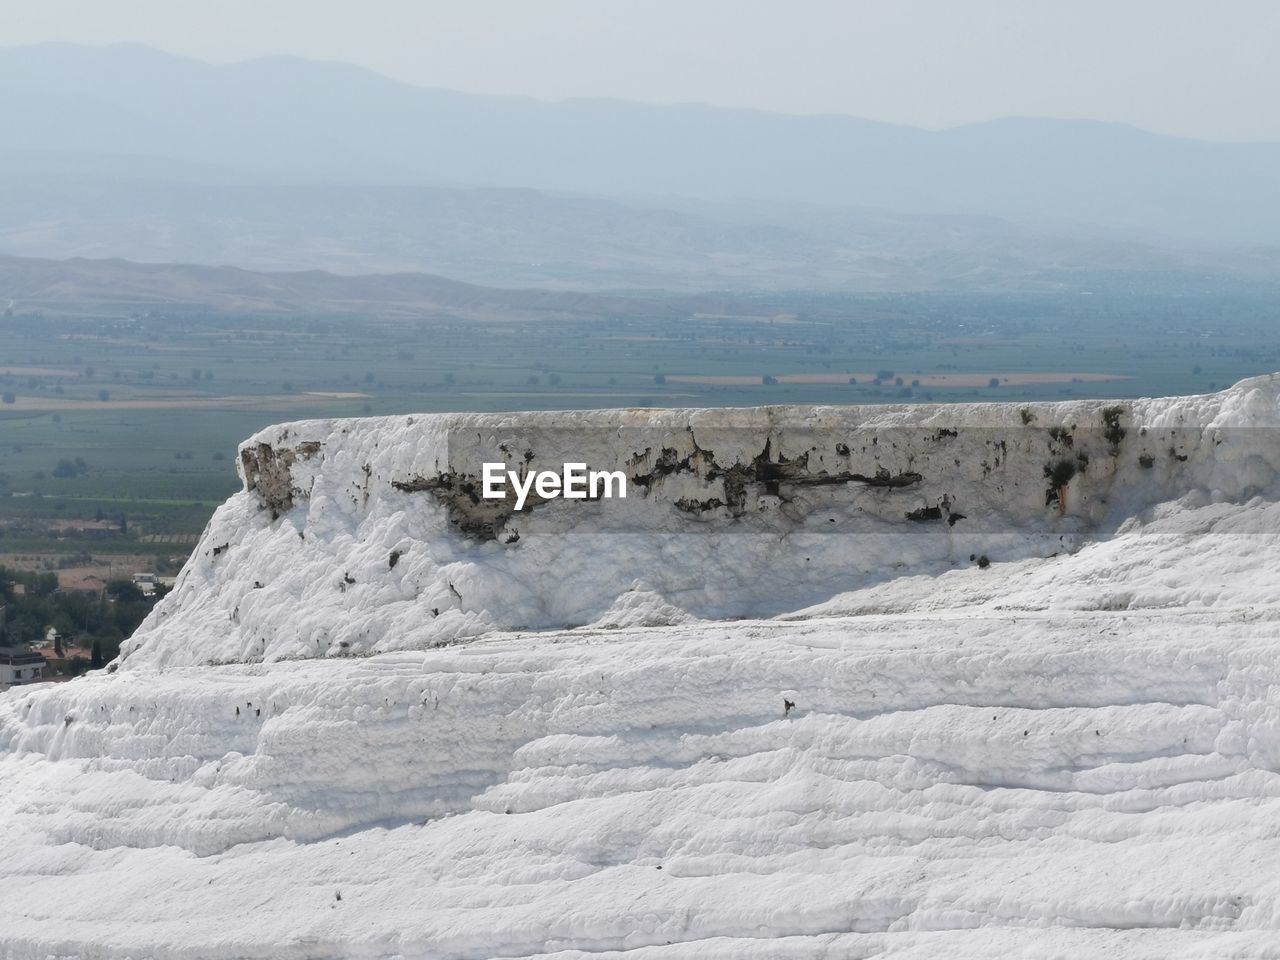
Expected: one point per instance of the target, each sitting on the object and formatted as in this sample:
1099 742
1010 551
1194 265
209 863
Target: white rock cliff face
560 745
360 536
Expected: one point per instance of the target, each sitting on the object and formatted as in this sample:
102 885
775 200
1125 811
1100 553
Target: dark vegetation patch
1062 436
1112 432
925 514
1059 475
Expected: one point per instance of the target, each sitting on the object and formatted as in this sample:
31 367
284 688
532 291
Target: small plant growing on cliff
1028 417
1060 473
1111 429
1059 476
983 562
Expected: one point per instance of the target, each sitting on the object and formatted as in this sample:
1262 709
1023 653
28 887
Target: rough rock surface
359 536
1070 752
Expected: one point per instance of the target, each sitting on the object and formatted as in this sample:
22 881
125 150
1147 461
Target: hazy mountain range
284 163
81 285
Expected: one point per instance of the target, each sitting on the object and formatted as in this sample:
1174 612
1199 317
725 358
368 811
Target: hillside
102 207
769 705
80 284
331 122
126 152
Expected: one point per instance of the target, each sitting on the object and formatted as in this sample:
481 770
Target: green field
153 405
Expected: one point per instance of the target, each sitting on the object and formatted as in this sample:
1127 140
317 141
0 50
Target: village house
20 666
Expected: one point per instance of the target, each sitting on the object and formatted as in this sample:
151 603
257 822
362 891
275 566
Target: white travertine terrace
730 513
574 743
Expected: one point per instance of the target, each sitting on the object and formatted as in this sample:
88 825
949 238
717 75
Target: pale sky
1200 68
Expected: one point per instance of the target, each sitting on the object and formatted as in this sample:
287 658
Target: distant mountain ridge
529 239
71 285
330 122
31 282
284 164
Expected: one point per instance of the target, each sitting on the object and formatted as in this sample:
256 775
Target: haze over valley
285 163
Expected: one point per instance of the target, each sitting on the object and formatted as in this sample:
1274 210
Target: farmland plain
131 412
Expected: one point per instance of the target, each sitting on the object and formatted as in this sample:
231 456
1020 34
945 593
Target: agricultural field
119 424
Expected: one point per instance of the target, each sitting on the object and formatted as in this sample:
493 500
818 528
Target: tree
95 656
125 591
104 395
659 378
993 382
9 397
